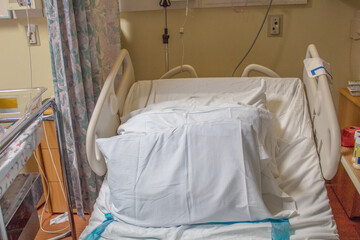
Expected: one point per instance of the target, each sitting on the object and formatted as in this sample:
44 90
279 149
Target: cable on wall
253 43
28 41
182 33
165 4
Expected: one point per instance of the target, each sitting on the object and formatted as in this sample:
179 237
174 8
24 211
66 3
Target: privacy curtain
84 38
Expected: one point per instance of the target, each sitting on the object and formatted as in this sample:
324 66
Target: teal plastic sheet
281 229
96 233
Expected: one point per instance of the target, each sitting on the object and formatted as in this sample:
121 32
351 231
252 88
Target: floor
80 225
348 230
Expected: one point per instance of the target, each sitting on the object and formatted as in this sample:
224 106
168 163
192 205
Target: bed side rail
259 68
106 116
179 69
323 115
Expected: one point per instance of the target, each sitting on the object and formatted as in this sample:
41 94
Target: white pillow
184 176
203 166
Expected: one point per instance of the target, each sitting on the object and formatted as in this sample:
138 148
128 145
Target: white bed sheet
298 163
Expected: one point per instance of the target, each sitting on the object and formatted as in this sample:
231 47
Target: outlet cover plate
275 26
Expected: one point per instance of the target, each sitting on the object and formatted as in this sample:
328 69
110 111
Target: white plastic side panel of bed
105 119
323 115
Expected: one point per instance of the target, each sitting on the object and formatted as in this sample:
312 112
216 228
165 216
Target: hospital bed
307 147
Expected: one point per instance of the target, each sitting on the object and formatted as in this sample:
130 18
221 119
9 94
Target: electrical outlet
32 34
275 25
32 38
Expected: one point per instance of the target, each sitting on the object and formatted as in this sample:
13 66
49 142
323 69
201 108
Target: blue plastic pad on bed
281 230
96 233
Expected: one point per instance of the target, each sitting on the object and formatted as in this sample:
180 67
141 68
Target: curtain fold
84 39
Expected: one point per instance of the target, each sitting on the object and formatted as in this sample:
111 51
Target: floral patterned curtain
84 38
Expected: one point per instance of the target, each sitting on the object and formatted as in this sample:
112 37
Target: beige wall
217 38
14 60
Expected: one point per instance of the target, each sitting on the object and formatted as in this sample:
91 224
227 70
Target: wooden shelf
346 93
349 109
346 183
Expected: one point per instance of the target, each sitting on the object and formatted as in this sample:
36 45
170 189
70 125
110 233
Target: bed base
106 117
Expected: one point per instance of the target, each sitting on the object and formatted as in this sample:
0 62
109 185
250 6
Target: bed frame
109 107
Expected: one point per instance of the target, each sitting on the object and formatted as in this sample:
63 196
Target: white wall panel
145 5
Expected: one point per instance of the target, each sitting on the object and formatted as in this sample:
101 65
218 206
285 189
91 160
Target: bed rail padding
323 115
106 116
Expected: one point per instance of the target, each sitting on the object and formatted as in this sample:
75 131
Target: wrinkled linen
140 97
296 158
194 166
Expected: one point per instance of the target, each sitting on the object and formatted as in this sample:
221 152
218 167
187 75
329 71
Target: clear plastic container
355 153
19 206
356 163
16 105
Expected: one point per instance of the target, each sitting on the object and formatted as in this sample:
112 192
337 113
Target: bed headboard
106 116
324 119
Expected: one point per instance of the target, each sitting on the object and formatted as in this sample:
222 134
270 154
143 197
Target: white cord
52 160
46 201
28 42
182 33
183 53
60 236
48 189
186 12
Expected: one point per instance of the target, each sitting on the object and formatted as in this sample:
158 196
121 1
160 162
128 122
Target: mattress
296 157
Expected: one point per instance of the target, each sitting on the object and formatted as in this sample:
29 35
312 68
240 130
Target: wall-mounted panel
145 5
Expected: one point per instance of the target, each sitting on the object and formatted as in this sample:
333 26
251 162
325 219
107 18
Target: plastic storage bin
19 206
16 105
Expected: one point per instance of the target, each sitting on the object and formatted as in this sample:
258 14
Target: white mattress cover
298 163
